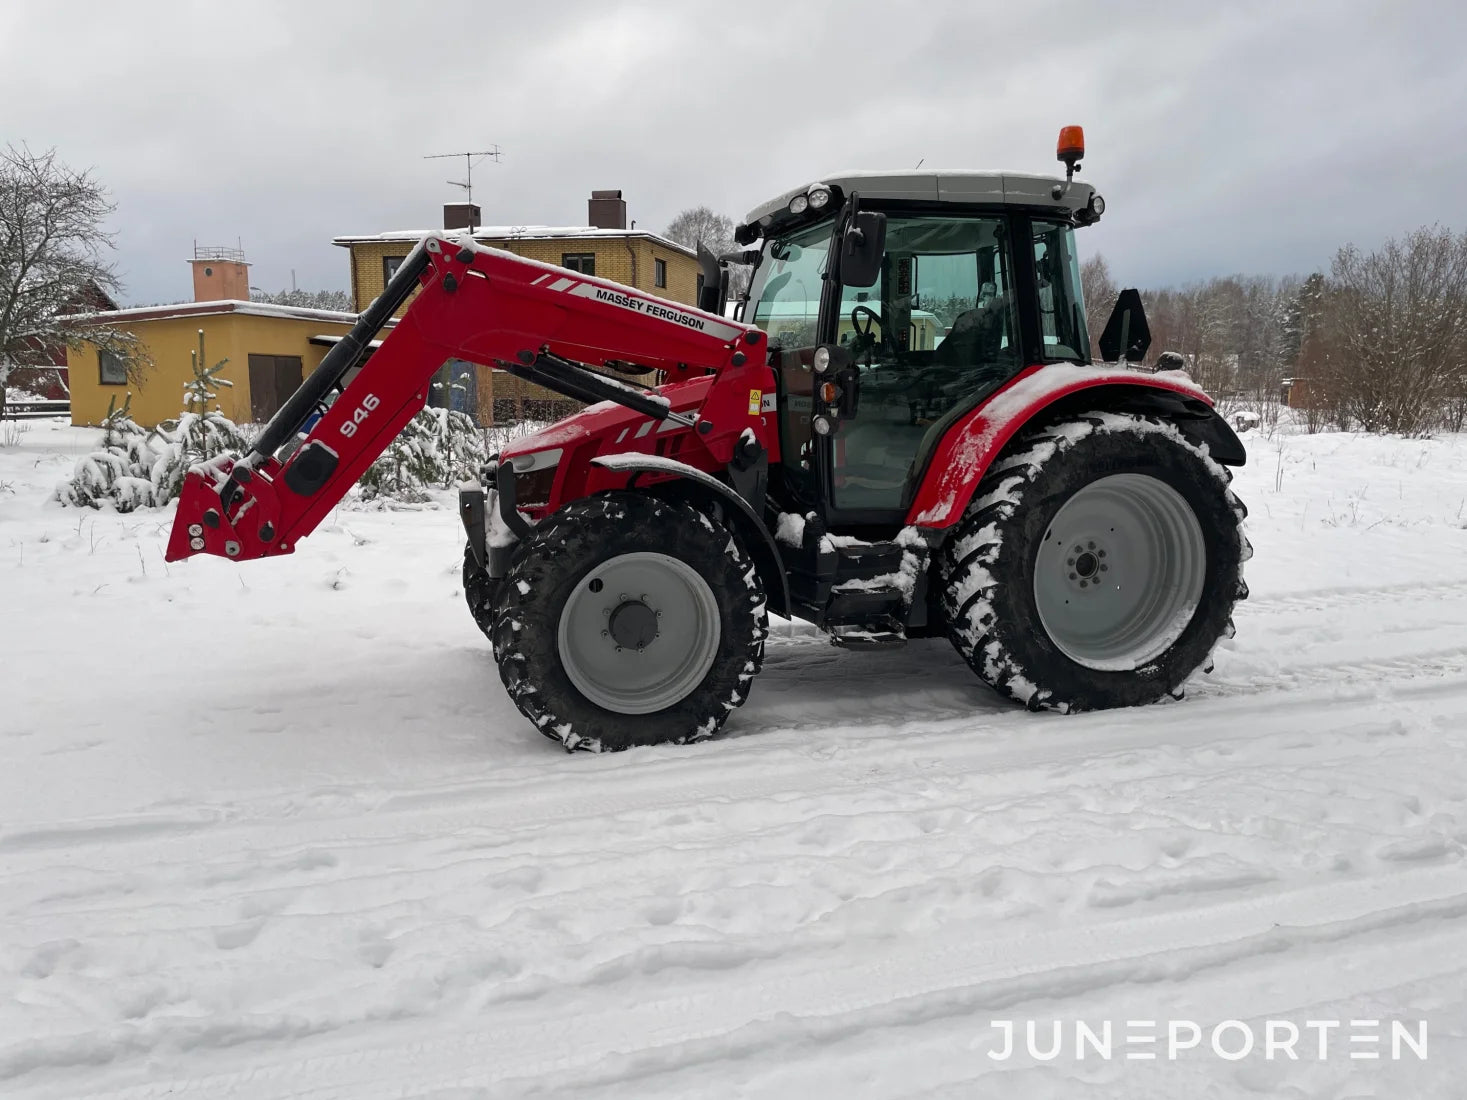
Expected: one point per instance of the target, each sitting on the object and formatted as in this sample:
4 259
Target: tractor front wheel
1097 567
629 620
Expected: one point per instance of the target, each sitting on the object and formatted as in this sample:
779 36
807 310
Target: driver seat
976 337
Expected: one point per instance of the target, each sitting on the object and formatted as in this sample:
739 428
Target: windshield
1061 303
786 290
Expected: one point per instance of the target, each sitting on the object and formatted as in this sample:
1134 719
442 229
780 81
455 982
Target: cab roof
938 186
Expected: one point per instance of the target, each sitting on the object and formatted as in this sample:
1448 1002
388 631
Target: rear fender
699 488
1041 394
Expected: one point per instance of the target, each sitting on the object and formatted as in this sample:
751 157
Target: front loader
897 433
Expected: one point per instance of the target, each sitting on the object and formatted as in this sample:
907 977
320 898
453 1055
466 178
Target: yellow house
268 350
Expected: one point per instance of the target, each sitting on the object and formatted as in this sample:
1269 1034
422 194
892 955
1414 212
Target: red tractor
897 433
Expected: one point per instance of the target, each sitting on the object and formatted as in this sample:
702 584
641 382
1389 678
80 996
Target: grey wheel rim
1120 573
638 633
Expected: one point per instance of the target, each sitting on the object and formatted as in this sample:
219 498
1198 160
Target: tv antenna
470 159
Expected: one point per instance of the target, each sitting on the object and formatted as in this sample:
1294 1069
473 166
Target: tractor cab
894 304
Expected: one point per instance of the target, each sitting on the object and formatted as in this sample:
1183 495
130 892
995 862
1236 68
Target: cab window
1061 304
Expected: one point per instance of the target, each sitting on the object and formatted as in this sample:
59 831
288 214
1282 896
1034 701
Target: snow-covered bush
138 468
121 472
434 450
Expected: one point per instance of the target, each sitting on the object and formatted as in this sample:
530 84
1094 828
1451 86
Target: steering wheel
872 318
865 340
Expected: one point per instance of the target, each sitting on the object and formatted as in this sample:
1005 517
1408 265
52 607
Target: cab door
937 332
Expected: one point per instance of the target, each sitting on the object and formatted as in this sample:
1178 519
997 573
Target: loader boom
539 322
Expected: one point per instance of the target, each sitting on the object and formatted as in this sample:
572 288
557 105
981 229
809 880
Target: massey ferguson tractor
896 433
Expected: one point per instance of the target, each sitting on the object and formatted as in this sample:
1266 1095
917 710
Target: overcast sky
1226 136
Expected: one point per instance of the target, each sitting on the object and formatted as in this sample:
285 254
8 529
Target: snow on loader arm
474 303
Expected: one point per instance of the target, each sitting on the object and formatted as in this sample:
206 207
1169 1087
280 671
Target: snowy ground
275 830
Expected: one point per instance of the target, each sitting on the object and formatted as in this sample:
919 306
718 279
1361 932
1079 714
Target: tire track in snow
796 1001
190 892
1348 675
682 778
1324 599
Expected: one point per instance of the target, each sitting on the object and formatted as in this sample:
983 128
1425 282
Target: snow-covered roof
941 186
204 309
488 234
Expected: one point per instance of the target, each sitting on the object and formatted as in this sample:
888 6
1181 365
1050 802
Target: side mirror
1126 333
861 249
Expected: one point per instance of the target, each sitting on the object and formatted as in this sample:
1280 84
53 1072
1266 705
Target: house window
390 264
113 369
584 262
659 272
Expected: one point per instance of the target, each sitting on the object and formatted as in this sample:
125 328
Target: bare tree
1100 292
52 264
1393 333
715 231
699 223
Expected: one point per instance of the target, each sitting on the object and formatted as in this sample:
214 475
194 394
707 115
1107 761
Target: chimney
461 215
220 274
608 210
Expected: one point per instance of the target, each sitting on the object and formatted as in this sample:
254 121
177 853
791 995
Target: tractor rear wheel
629 620
1098 565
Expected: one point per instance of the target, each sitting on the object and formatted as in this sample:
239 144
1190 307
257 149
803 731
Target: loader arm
540 322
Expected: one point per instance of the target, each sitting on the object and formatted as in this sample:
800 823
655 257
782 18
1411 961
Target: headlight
534 477
799 204
822 359
1097 204
819 196
532 490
